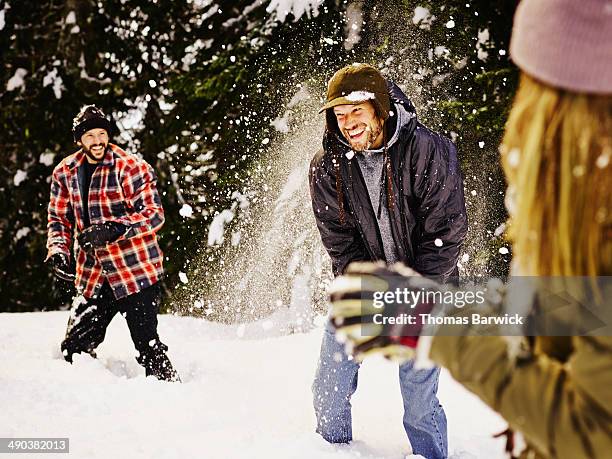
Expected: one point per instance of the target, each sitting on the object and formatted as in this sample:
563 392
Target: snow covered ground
245 394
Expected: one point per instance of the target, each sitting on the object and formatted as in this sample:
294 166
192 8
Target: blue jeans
336 381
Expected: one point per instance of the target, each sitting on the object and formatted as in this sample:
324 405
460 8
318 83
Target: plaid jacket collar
77 176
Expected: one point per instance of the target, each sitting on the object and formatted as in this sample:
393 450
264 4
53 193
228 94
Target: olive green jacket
557 391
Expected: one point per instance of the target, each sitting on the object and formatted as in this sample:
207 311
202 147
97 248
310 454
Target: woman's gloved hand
373 309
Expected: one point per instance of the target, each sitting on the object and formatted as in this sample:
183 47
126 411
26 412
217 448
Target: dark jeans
87 328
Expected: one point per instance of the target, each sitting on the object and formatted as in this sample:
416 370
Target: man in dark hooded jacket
384 187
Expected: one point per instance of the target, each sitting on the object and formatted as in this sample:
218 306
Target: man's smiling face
94 143
359 125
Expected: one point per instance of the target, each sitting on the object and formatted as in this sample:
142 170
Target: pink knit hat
565 43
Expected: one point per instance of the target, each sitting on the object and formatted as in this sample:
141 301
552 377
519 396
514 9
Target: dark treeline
194 85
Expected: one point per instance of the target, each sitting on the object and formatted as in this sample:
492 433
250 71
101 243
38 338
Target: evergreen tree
197 87
452 60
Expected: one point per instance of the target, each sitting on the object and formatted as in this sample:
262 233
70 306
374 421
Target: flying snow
186 211
20 176
47 158
217 227
17 81
422 17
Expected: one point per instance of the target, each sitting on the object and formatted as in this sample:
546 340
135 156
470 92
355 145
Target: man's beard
91 156
372 131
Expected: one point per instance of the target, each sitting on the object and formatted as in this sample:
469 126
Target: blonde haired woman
556 154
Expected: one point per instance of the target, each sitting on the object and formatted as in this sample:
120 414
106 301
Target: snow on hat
90 117
565 43
355 84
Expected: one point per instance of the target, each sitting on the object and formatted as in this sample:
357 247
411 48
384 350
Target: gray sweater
371 165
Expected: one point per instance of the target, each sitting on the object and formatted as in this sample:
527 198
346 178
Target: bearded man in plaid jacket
108 199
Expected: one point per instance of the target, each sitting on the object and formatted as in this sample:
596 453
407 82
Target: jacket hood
403 118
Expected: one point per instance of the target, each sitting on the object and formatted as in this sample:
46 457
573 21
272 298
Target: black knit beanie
90 117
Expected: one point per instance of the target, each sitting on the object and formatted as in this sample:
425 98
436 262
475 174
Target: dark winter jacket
428 217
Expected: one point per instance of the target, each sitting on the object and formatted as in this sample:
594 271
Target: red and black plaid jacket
122 189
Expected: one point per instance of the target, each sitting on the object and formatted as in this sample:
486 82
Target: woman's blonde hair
556 155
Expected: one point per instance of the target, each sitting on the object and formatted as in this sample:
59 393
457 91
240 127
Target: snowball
46 158
183 277
438 242
450 24
504 250
20 176
71 18
16 81
186 211
22 232
481 144
465 258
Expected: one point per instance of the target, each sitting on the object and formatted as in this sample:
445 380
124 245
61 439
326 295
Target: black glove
61 267
97 236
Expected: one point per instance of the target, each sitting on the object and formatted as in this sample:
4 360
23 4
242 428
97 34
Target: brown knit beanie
358 83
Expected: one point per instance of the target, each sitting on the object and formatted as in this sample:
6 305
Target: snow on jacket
428 221
123 190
